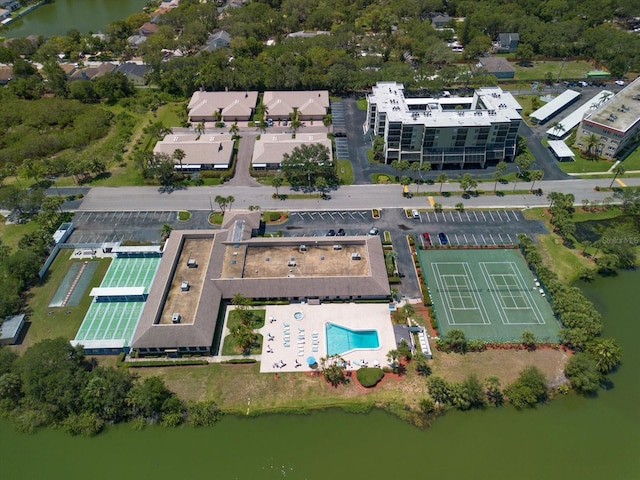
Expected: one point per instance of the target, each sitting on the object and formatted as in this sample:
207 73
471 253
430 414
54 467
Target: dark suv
443 238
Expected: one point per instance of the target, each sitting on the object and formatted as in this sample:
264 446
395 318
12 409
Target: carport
561 151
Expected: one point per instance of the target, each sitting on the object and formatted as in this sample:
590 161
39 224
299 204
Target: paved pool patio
307 336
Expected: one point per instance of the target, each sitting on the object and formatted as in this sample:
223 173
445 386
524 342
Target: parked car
620 82
331 233
443 238
339 134
374 231
415 214
341 233
426 238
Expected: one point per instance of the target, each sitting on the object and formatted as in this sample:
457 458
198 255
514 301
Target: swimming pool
341 339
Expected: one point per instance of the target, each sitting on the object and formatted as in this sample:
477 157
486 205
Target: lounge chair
285 324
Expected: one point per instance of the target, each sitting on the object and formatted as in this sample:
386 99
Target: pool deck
303 338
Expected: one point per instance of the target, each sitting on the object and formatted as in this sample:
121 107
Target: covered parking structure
561 151
554 107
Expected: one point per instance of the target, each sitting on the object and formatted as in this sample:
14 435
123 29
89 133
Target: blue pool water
341 340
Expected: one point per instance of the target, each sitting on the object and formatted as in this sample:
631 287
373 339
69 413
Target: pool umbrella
311 361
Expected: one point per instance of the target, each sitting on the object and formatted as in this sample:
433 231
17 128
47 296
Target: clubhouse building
444 131
200 271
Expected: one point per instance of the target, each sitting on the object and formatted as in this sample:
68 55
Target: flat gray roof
622 112
555 105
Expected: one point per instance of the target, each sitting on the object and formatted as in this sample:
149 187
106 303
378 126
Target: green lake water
58 17
573 437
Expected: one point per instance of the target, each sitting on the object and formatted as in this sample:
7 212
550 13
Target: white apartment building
455 131
616 123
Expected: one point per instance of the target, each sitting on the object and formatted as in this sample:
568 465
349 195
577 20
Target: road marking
515 216
431 201
468 217
474 238
491 216
452 219
474 214
465 238
460 215
620 182
483 216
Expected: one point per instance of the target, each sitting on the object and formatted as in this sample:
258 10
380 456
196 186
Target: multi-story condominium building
454 131
616 124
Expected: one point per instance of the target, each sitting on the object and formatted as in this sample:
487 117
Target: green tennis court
110 323
488 294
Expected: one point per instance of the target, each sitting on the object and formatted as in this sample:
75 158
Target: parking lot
99 227
490 216
476 228
337 116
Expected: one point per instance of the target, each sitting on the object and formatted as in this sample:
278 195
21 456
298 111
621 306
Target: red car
426 238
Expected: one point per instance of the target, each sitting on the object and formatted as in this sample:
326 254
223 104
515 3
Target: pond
59 16
573 437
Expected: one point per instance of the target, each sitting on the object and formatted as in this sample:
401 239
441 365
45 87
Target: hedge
163 363
369 377
239 361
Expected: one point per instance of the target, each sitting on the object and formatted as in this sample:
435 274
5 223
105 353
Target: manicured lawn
229 346
362 103
183 215
257 319
632 161
571 70
43 325
345 172
11 234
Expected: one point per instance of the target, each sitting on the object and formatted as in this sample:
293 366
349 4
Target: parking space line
515 216
474 239
468 217
444 217
483 216
484 242
491 216
492 240
501 240
499 216
460 215
452 219
474 214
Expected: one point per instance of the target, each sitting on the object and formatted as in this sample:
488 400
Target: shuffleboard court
110 322
74 284
489 294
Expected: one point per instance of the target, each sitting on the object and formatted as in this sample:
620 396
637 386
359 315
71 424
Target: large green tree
306 163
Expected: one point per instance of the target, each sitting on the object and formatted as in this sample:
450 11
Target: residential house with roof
148 29
508 42
497 66
135 72
6 74
269 149
615 123
202 152
222 106
310 104
4 13
219 39
235 261
11 5
91 73
439 21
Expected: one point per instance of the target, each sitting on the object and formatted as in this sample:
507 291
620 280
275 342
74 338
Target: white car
620 82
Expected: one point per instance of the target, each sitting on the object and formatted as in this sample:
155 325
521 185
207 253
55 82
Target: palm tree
327 120
497 175
295 121
592 141
233 130
178 154
557 127
165 231
230 200
200 128
619 170
535 175
441 179
276 182
606 353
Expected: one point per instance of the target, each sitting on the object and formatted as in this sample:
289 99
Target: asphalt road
344 198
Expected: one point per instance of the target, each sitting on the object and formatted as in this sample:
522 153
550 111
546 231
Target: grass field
488 294
345 172
11 234
540 69
41 325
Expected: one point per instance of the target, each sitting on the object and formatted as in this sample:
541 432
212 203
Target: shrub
239 360
183 215
369 377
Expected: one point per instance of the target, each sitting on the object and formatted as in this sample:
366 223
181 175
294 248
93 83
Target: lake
573 437
58 17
